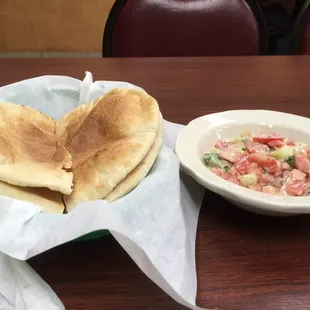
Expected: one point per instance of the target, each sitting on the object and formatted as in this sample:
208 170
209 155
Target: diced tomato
308 150
249 147
266 178
220 145
297 175
254 168
254 147
236 149
291 142
242 166
233 171
277 173
241 160
295 188
301 163
231 178
285 166
231 157
262 159
286 174
276 169
275 143
217 171
266 137
268 189
278 182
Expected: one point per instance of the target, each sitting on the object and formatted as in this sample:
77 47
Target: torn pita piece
29 152
49 201
108 139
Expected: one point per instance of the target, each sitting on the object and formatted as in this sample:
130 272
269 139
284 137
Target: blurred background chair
155 28
298 6
279 18
300 42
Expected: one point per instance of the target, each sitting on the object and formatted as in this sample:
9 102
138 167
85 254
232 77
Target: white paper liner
157 230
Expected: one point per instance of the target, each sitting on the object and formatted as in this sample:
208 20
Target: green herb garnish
282 182
226 168
243 148
245 141
291 161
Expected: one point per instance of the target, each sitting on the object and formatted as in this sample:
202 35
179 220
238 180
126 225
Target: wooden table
244 261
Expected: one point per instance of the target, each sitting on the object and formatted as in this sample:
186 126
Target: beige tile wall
52 28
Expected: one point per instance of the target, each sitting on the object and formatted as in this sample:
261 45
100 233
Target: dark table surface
244 261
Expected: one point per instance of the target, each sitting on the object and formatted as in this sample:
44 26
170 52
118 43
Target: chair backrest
300 41
155 28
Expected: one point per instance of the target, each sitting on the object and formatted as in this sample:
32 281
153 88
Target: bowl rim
189 137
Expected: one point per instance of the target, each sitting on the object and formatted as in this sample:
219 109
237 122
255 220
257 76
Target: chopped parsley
243 148
207 157
245 141
226 168
291 161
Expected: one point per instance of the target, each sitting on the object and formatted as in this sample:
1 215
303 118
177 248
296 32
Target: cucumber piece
212 160
283 153
237 139
239 152
248 179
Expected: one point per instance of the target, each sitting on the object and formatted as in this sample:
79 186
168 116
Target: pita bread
49 201
110 142
29 153
140 172
69 124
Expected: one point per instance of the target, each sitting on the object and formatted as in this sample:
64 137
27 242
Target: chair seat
154 28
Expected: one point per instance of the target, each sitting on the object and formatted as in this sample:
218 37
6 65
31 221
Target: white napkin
157 230
22 289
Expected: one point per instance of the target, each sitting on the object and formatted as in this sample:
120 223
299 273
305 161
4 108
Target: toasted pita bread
110 142
29 154
49 201
70 123
140 172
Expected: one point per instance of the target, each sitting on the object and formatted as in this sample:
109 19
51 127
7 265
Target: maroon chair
300 41
154 28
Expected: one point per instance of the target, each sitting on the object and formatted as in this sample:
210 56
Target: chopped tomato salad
267 163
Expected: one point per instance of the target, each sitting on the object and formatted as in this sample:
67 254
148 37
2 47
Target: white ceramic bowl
202 133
